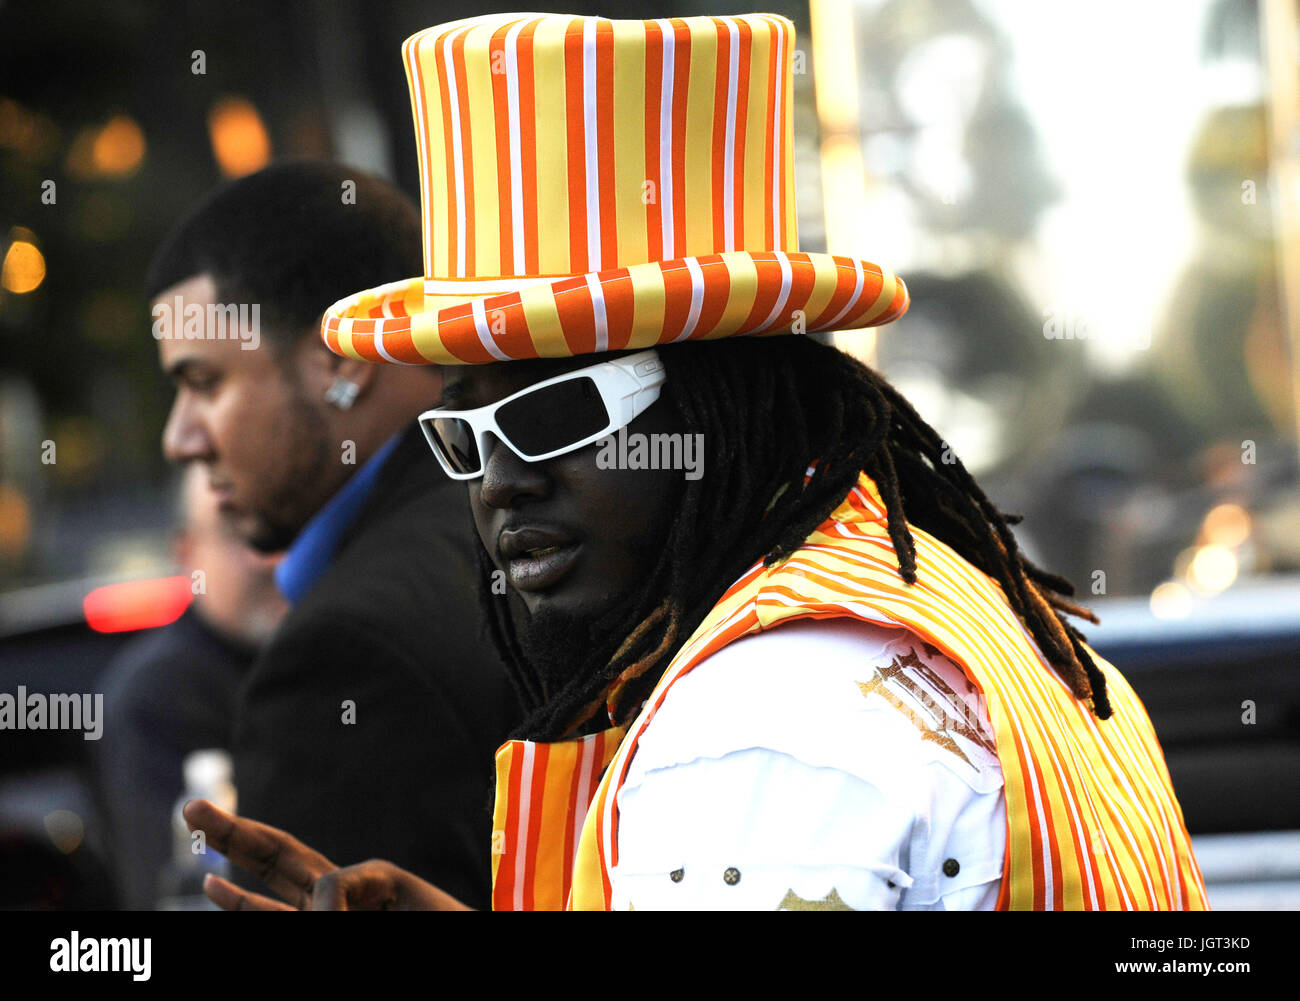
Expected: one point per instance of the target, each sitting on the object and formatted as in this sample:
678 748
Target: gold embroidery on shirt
831 902
948 713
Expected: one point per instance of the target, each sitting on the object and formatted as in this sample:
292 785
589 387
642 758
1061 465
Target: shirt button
951 867
732 876
676 875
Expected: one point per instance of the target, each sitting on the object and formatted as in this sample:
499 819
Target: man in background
368 721
172 690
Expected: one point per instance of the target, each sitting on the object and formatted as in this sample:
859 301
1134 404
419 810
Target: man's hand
306 879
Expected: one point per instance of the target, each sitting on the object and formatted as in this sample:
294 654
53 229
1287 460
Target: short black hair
286 239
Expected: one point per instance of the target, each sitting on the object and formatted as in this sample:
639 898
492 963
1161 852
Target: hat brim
662 302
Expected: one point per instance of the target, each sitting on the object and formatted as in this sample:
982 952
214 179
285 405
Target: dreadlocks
769 408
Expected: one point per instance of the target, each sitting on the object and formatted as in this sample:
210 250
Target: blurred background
1096 207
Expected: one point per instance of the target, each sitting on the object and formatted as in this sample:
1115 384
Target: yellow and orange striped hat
591 185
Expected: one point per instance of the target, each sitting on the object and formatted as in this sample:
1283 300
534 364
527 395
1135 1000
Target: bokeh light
31 135
1227 525
15 523
65 829
1171 600
240 141
1213 568
112 151
119 148
24 264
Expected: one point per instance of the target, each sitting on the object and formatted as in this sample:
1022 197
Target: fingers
278 859
229 897
368 886
303 877
378 885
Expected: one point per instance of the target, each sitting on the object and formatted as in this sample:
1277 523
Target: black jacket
393 627
167 692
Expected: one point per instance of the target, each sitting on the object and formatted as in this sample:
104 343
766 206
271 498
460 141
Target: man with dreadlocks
820 675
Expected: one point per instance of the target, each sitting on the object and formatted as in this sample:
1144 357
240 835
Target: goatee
562 647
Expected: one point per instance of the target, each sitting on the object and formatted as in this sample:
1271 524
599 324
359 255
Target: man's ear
361 374
322 369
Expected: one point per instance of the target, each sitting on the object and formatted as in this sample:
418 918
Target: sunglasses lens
455 439
554 417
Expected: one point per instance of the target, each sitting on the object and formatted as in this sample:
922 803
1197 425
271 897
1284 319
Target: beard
564 648
268 533
267 536
305 484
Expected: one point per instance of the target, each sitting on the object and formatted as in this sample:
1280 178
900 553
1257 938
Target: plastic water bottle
207 776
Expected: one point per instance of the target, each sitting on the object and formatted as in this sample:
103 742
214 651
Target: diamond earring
342 393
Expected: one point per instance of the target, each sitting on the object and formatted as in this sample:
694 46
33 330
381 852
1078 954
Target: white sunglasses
547 419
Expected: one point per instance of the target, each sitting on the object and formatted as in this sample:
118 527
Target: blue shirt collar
311 552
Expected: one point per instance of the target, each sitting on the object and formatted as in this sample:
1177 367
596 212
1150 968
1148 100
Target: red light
137 604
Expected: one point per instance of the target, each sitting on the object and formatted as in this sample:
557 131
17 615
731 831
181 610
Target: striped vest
1092 820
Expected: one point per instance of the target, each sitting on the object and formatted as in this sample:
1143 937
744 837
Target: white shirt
830 763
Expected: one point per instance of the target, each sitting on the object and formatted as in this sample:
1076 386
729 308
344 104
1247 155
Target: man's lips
536 558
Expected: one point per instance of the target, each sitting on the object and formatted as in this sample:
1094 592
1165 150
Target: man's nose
507 478
184 437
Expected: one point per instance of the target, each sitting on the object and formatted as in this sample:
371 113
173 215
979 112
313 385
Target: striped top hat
591 185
